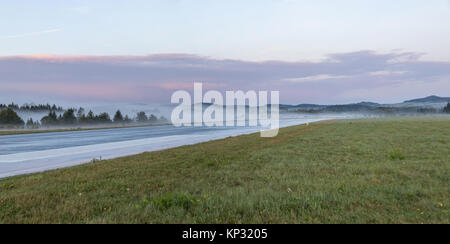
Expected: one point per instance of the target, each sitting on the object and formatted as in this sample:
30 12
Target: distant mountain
302 106
336 108
430 99
431 104
369 104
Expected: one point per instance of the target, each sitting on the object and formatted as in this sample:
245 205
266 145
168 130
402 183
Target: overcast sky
322 51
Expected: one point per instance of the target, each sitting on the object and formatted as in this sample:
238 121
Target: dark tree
152 119
68 118
141 117
118 117
103 118
90 116
50 119
9 118
80 114
447 108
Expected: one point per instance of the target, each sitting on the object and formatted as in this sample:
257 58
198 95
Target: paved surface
30 153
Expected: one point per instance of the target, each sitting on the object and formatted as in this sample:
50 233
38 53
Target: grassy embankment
352 171
5 132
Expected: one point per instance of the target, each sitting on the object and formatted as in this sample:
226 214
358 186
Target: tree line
72 117
358 108
32 107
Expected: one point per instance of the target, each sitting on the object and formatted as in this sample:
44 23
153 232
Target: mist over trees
58 117
79 117
32 124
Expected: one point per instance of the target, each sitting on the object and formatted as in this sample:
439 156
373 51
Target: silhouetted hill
368 104
431 104
430 99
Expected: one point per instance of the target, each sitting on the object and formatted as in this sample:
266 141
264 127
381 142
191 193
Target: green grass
5 132
353 171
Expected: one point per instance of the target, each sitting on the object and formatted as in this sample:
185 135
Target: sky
321 51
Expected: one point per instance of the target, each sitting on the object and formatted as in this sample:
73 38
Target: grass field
353 171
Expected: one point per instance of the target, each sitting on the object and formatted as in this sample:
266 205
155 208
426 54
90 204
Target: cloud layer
345 77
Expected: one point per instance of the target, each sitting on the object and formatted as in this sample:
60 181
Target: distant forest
363 108
32 107
68 118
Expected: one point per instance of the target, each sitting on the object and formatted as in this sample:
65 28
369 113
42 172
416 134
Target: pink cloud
101 59
86 90
187 85
154 77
